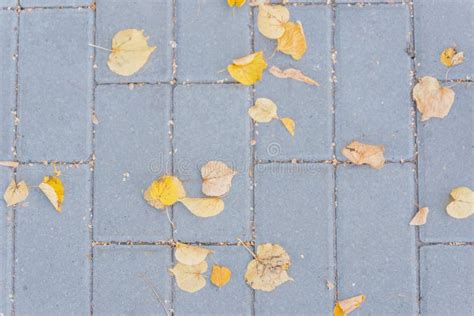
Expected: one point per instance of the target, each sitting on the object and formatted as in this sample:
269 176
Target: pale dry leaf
360 153
53 189
165 191
420 217
344 307
10 164
462 204
263 111
189 278
95 120
220 275
271 20
190 255
16 192
292 73
216 178
293 41
432 100
289 124
450 57
330 285
254 3
204 207
248 69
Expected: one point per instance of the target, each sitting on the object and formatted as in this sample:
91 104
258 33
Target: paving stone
125 278
132 149
6 246
375 244
54 3
210 35
52 274
446 156
211 123
447 284
153 16
7 4
309 106
55 78
234 298
8 21
294 208
373 93
437 28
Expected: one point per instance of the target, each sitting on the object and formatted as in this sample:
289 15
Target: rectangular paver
8 3
6 246
55 3
132 148
446 161
52 262
436 29
233 298
373 102
55 85
309 106
211 123
8 22
153 16
447 283
210 35
294 208
376 248
125 278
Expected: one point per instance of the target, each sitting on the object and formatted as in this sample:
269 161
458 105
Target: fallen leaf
329 285
220 275
53 188
292 73
359 153
263 111
216 178
269 269
130 51
95 120
420 217
165 191
254 3
11 164
293 41
289 125
248 69
344 307
450 57
204 207
432 100
190 255
15 193
189 277
271 20
237 3
462 205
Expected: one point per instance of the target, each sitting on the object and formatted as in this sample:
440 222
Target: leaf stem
99 47
248 249
148 282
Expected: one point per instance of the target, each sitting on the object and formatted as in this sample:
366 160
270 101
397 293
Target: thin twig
248 249
99 47
169 219
148 282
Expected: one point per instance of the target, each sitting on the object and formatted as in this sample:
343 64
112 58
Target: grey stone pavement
340 223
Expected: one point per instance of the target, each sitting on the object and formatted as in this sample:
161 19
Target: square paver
153 16
8 22
233 298
373 92
309 106
8 3
55 3
446 161
447 283
55 85
294 208
210 35
132 149
375 244
211 123
52 262
437 28
126 277
6 246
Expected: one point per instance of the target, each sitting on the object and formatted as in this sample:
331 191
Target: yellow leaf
216 178
289 125
190 255
420 217
165 191
130 51
248 69
15 193
220 275
237 3
269 269
292 74
263 111
293 41
344 307
359 154
432 100
204 207
450 57
462 205
189 277
271 20
53 188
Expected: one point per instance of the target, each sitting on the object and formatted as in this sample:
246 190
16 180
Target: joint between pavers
447 243
171 243
31 8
